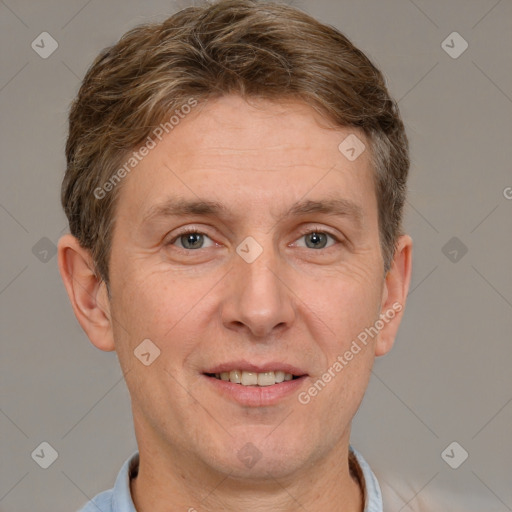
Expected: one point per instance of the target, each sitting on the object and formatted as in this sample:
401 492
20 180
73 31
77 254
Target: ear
394 295
87 293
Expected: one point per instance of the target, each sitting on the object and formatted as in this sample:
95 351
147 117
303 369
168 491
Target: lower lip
256 396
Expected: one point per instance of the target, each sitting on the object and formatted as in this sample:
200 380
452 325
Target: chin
261 456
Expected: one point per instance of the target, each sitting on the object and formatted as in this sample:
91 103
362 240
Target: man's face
211 302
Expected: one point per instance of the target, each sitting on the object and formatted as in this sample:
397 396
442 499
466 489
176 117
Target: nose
258 301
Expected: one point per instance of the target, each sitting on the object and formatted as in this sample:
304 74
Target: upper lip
242 365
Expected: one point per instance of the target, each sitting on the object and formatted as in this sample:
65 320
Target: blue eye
317 239
191 239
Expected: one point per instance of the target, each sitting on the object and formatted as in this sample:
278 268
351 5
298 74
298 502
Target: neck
168 481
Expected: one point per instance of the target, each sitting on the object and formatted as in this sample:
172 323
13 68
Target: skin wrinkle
177 206
206 306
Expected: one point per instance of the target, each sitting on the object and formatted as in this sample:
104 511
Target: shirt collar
122 497
370 485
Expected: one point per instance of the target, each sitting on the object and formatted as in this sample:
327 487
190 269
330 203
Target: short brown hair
246 47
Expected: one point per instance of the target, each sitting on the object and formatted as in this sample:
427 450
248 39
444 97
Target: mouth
250 378
255 385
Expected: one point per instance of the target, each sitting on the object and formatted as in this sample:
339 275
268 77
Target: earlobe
396 288
86 292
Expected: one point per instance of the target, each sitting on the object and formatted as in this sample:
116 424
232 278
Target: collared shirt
119 499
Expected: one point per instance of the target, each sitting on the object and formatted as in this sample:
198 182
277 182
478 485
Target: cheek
343 303
140 311
149 303
351 305
162 307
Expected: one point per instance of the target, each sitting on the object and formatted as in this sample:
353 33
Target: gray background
448 377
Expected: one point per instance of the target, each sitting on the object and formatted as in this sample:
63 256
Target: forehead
238 154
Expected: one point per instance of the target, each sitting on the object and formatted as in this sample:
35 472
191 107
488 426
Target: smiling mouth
246 378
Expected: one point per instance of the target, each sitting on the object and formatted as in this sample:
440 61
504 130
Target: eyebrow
336 207
175 207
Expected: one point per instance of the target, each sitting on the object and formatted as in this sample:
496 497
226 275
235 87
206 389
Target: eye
317 239
191 239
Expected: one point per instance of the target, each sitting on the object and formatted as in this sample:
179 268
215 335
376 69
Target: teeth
249 379
235 376
266 379
279 376
254 379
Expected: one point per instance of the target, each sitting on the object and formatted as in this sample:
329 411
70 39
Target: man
235 184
